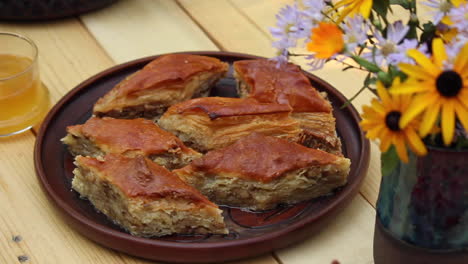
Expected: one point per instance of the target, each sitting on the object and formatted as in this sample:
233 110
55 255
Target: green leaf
366 64
429 31
369 80
395 72
385 78
389 160
381 7
403 3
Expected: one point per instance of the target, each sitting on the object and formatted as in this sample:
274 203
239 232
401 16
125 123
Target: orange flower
326 41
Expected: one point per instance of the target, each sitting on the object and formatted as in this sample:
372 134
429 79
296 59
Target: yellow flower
438 91
381 120
447 34
353 7
326 41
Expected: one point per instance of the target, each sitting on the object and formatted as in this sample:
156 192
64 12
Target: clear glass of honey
24 101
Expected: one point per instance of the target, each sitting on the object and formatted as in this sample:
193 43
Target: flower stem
350 65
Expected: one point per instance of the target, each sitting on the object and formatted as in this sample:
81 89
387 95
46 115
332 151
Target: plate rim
346 195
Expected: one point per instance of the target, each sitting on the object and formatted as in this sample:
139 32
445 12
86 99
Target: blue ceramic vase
422 209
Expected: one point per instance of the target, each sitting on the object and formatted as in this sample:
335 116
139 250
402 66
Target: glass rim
34 58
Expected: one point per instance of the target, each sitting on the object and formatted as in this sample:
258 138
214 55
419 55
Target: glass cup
24 101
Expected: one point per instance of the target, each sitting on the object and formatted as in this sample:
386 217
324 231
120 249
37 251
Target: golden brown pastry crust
214 122
164 81
217 107
260 158
140 177
319 131
129 136
259 172
284 85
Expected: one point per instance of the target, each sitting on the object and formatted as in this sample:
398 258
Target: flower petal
415 142
398 141
385 141
461 62
457 3
343 3
463 96
405 101
448 121
430 116
415 71
424 62
383 94
419 103
438 51
378 107
412 86
375 132
365 8
345 12
462 114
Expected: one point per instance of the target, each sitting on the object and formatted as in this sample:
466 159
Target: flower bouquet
419 74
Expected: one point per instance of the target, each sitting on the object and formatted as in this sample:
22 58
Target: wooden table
71 50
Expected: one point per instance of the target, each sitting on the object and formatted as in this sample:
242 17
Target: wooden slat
68 55
133 29
228 27
348 239
26 212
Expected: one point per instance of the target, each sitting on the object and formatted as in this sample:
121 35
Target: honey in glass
23 99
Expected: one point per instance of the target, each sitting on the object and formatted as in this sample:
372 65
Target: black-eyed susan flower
440 87
382 120
326 40
353 7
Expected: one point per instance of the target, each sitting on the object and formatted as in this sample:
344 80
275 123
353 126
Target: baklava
259 172
215 122
167 80
129 137
144 198
266 82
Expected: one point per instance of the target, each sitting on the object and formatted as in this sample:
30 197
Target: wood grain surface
74 49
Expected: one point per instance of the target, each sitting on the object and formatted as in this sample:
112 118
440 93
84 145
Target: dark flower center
392 119
449 83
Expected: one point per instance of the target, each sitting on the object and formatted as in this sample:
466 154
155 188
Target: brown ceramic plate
251 233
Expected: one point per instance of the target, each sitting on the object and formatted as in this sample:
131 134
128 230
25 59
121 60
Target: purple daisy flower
314 10
287 29
315 64
442 8
311 16
459 17
453 49
400 55
385 47
355 32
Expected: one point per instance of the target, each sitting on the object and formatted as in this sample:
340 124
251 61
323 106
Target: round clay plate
251 233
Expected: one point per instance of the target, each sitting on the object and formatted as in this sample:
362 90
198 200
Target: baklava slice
263 80
167 80
215 122
129 137
144 198
259 172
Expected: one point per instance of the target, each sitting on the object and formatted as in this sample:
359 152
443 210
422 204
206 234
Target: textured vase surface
423 203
